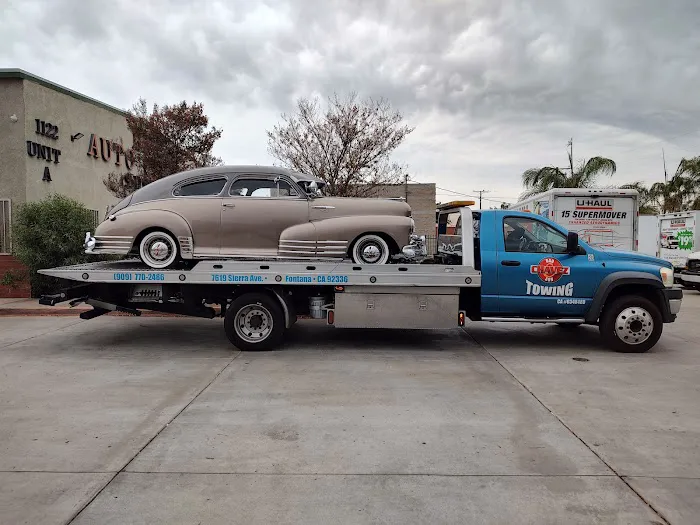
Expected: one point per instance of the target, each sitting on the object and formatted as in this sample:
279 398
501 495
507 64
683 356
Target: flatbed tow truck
490 265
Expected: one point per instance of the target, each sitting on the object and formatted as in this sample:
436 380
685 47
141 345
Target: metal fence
5 217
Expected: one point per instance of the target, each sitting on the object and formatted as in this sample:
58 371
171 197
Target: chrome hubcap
253 323
634 325
371 253
159 250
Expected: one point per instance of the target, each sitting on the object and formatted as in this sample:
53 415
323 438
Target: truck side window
525 235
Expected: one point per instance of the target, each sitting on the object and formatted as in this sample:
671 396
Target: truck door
536 277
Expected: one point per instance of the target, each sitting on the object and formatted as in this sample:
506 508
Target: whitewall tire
158 250
370 249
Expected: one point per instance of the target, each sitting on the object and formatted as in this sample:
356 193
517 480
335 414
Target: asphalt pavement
160 420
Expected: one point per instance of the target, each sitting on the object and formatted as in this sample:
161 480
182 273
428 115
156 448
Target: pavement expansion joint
567 427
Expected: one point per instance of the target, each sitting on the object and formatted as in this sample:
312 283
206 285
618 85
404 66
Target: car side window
262 188
525 235
201 188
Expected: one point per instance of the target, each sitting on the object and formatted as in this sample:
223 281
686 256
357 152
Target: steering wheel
539 247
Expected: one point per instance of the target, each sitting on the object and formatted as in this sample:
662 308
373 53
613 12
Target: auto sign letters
549 270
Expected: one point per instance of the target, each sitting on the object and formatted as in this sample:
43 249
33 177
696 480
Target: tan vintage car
250 212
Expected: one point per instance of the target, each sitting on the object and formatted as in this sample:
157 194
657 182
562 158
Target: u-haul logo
594 204
550 270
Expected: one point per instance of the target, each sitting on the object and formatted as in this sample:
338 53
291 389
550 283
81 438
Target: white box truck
604 218
678 237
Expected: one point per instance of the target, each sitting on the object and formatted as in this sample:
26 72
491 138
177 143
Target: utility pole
570 145
481 192
406 186
663 154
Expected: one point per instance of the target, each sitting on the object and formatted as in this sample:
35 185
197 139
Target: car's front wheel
370 249
158 250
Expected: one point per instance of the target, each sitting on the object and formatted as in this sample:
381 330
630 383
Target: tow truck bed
271 273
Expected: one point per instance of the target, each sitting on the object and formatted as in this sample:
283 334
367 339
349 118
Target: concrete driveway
153 420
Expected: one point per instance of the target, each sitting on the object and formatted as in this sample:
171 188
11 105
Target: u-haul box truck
604 218
679 236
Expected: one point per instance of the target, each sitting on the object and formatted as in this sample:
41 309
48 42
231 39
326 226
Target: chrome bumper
415 250
108 244
690 277
674 305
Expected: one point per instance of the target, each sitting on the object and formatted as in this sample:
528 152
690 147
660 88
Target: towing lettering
563 290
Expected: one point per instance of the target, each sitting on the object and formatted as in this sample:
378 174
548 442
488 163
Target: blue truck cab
533 270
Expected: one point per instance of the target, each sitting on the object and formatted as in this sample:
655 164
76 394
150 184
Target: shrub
50 233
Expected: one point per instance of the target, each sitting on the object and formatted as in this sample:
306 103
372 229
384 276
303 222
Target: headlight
667 276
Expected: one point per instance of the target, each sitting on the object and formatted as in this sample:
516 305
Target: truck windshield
523 234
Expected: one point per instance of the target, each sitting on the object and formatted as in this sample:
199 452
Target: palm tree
680 193
538 180
648 204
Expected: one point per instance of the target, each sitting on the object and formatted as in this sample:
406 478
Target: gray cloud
494 87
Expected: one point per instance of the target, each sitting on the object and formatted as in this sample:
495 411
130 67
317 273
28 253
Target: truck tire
254 321
631 324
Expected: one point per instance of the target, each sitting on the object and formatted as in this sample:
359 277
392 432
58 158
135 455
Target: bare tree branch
348 144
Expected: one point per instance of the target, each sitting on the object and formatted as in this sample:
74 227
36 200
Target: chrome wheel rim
253 323
158 250
371 253
634 325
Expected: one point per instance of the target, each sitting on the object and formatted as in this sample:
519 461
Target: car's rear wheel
158 250
370 249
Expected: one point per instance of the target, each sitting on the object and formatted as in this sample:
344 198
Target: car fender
132 223
349 228
623 278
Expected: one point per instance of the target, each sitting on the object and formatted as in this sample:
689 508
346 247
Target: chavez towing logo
550 270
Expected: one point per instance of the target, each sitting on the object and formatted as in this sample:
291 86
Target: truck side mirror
572 243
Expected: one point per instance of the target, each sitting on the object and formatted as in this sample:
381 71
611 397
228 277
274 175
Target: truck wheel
254 321
631 324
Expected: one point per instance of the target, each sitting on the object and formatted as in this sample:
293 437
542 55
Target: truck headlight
667 276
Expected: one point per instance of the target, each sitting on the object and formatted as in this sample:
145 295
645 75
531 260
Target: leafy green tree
585 175
167 140
50 233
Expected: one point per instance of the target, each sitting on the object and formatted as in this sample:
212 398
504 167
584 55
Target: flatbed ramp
271 273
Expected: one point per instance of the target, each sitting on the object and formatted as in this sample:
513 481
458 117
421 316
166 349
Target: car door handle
323 207
510 263
229 205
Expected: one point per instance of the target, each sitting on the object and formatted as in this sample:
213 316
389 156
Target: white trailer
679 236
604 218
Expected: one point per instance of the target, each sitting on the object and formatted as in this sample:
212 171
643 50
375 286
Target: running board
566 320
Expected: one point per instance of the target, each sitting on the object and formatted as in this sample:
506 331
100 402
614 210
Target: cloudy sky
492 87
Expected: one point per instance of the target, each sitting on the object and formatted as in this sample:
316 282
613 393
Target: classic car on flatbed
250 212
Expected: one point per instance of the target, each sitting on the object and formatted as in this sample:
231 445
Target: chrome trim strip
305 252
564 320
